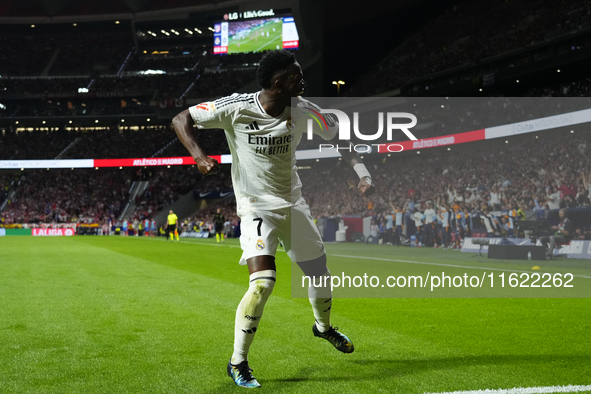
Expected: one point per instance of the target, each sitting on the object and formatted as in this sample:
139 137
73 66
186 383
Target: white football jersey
417 217
264 171
430 215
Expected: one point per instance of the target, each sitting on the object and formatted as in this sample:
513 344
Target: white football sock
250 311
321 300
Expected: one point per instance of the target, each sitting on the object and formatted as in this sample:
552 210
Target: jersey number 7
260 220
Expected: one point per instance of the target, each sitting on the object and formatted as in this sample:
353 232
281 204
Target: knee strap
262 283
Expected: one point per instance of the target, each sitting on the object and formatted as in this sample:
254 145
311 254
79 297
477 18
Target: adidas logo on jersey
253 126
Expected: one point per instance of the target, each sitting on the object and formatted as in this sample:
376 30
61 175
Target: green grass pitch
136 315
256 41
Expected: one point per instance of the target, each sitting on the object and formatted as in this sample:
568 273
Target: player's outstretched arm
182 124
365 185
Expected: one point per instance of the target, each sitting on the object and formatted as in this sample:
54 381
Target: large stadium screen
255 35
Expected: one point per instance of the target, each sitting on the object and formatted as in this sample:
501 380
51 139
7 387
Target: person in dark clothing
563 235
218 221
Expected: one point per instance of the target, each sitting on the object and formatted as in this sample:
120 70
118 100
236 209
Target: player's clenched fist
366 186
208 166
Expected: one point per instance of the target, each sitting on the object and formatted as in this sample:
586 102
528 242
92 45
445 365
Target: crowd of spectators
440 116
544 173
30 145
97 196
470 32
61 96
42 86
93 53
548 172
94 108
213 141
64 196
169 85
580 87
164 85
75 54
203 219
96 144
479 176
7 180
172 63
221 83
17 48
167 185
114 143
179 60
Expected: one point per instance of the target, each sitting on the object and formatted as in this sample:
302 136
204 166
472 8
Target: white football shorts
261 232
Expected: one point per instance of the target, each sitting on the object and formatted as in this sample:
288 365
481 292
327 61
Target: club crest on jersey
290 124
260 244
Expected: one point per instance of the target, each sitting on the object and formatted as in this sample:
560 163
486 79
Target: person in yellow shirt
171 230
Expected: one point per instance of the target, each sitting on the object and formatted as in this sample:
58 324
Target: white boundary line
439 264
525 390
269 43
363 257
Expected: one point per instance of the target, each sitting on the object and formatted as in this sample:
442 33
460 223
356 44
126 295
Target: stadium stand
100 70
33 145
111 143
117 84
168 185
470 32
472 179
479 169
204 218
100 51
62 196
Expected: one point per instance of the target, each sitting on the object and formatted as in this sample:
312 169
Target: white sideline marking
526 390
439 264
264 45
193 241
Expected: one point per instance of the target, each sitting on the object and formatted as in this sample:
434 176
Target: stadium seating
100 51
330 188
167 185
61 196
332 191
194 74
114 142
470 32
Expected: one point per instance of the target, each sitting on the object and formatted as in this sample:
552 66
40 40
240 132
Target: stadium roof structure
57 11
62 11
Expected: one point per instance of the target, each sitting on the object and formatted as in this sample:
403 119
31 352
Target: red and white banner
147 162
53 232
100 163
157 161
